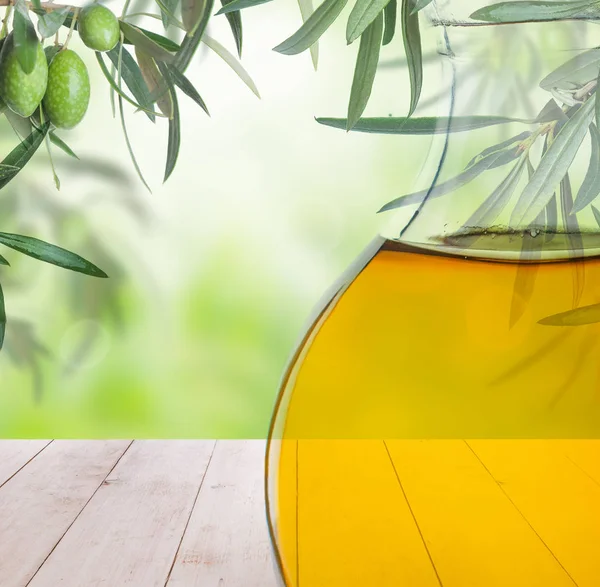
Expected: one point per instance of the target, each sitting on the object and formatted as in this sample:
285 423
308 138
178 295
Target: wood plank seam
413 515
521 513
190 515
81 510
25 464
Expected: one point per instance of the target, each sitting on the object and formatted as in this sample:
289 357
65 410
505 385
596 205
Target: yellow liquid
430 432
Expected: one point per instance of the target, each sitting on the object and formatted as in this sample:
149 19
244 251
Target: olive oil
430 431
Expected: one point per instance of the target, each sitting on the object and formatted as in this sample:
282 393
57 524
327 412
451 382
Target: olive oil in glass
439 422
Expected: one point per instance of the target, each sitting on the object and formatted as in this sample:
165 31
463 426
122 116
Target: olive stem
5 21
71 28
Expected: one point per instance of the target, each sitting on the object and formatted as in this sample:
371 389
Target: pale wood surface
15 454
226 542
147 513
39 504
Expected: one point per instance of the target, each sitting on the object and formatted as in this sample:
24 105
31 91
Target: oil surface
431 432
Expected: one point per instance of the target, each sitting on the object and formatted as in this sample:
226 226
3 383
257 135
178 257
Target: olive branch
147 70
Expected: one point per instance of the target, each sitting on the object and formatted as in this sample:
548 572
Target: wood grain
130 531
226 543
38 505
15 454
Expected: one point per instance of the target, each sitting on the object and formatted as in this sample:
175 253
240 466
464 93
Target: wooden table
112 513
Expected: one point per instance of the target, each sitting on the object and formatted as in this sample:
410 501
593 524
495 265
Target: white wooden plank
130 531
15 454
226 543
38 505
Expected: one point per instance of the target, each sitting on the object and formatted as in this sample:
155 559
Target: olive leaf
575 72
226 56
419 5
364 72
240 5
50 22
174 125
306 10
596 214
500 146
3 261
426 125
497 201
577 317
597 113
553 166
235 23
55 140
492 161
571 226
24 38
155 82
167 10
2 318
191 14
43 251
590 187
120 94
532 11
191 42
312 30
551 218
117 88
362 15
184 84
145 43
23 152
412 47
389 18
133 78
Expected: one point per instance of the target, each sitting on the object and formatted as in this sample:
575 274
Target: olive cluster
59 80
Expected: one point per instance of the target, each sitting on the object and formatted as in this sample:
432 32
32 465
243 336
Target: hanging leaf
500 146
192 12
190 43
174 126
577 317
496 202
3 261
24 38
61 144
422 126
590 187
571 226
575 72
307 10
310 32
117 88
23 152
596 214
43 251
389 18
412 47
145 43
553 166
419 5
361 16
2 318
226 56
527 11
240 5
184 84
365 70
235 23
490 162
50 22
119 66
167 10
133 78
156 84
597 101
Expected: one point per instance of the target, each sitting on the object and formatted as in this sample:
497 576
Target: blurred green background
213 274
